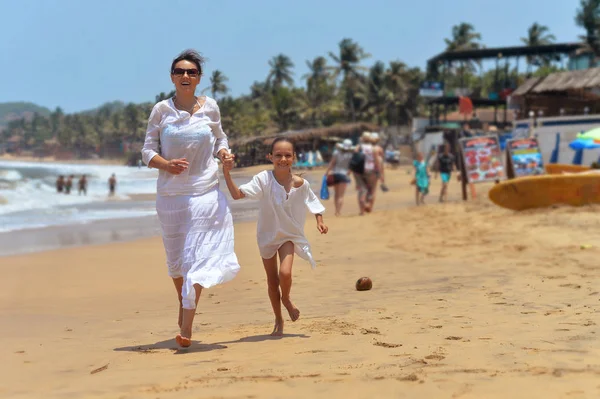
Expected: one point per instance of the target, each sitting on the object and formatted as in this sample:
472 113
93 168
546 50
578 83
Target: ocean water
28 197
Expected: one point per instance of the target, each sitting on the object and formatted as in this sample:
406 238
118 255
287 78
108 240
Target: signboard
431 89
524 157
482 158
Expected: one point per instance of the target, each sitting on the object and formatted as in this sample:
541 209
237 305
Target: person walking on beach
338 167
421 180
196 222
366 182
69 184
112 185
444 165
82 185
60 184
380 156
284 199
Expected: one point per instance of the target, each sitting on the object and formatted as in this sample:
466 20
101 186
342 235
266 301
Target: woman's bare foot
278 328
183 341
292 310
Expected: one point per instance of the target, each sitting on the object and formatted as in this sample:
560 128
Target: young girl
284 198
421 180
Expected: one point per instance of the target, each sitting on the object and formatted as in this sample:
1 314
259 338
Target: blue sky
78 54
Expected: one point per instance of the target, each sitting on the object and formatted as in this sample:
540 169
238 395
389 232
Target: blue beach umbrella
583 144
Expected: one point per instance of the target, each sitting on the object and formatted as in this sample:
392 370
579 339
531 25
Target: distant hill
18 110
113 106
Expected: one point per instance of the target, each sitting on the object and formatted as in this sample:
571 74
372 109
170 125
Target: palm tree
217 84
318 72
281 72
537 35
397 85
379 95
320 91
464 37
588 17
348 66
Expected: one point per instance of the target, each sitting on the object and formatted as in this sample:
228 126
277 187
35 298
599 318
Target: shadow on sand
197 346
261 338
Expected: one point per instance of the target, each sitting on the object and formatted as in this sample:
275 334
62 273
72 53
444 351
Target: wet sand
468 301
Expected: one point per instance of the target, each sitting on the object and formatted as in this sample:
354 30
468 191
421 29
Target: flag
465 106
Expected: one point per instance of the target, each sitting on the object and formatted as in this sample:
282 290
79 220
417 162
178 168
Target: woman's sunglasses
192 73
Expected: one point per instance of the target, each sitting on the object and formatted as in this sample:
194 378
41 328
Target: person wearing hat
339 171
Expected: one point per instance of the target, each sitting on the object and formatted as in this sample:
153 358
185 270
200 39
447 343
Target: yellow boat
544 191
560 168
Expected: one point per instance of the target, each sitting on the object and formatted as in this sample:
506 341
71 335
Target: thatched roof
582 79
309 134
323 132
562 81
525 87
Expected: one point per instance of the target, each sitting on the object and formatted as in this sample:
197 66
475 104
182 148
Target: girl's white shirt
197 137
282 215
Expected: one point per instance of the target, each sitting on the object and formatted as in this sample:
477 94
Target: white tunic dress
196 222
282 215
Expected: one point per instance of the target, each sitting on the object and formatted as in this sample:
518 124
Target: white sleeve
254 189
312 201
150 148
217 128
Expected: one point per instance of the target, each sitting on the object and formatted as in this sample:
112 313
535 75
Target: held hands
176 166
227 160
322 228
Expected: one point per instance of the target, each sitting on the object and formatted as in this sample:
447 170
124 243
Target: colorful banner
482 158
525 157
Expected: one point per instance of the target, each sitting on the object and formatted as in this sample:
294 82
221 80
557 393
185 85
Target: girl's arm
234 190
320 225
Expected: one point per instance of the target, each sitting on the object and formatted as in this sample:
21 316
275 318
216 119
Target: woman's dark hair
279 140
191 56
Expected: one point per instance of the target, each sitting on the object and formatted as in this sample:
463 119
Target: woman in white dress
183 137
284 199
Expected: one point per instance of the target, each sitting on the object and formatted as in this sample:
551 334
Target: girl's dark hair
191 56
279 140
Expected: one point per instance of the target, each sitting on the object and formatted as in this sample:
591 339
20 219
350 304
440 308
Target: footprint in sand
435 357
371 330
386 345
453 338
410 377
576 286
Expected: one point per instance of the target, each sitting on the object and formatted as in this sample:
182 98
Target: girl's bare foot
292 310
278 328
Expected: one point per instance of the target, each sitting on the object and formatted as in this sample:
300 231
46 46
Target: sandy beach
468 301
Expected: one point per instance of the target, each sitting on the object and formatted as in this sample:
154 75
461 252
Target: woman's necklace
190 111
